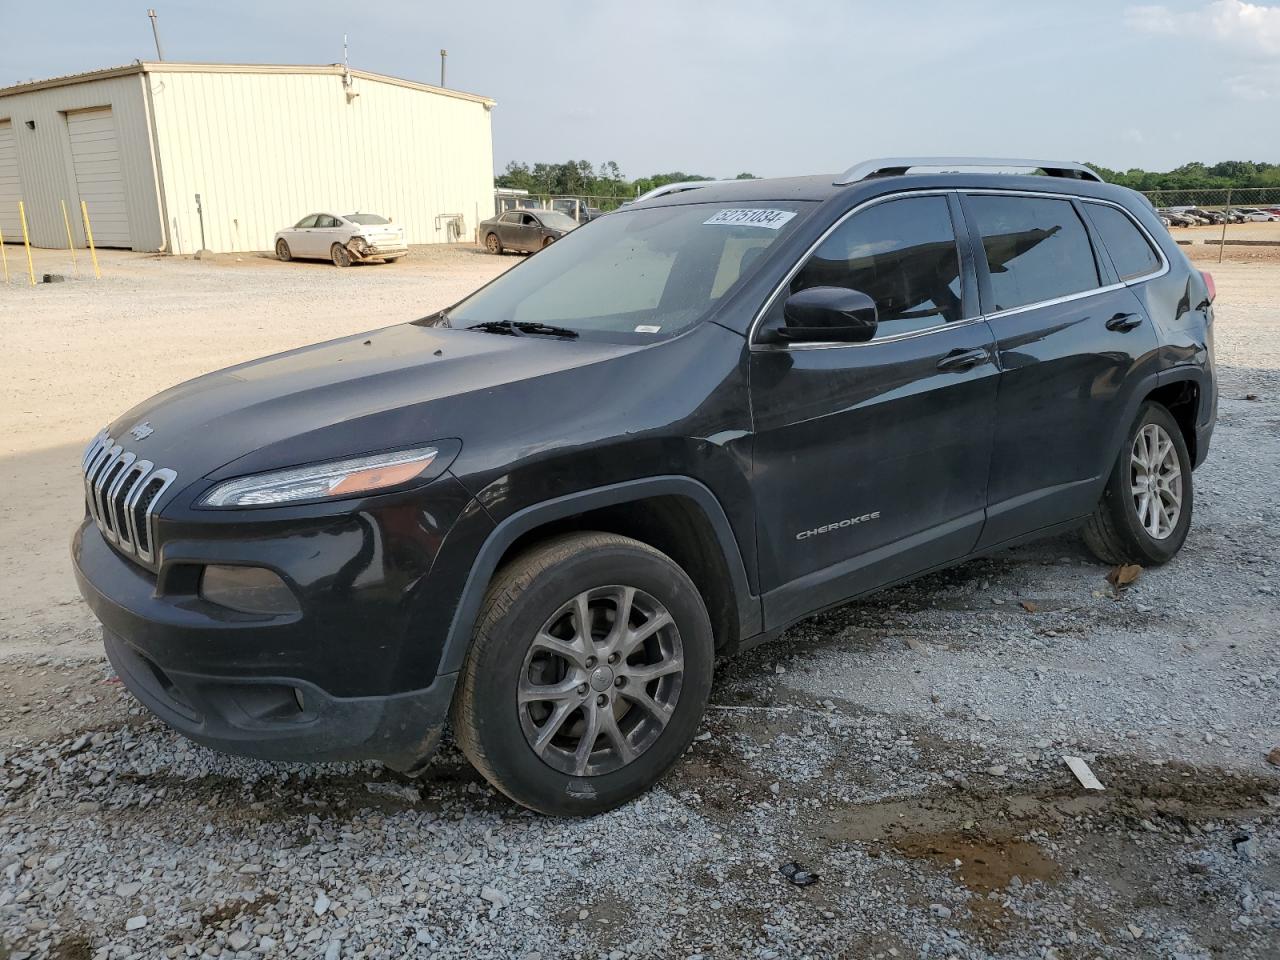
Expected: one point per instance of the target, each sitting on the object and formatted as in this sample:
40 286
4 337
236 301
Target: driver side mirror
821 314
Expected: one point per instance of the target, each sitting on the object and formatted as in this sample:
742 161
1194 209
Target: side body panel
1067 379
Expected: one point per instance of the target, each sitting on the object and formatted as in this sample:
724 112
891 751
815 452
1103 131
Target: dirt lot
907 750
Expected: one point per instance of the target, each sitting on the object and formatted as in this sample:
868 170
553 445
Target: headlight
338 478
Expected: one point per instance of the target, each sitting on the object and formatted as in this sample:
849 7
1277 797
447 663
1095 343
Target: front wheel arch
736 616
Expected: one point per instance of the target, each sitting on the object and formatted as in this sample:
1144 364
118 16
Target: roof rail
669 188
895 166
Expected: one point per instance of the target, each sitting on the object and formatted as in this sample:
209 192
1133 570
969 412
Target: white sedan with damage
342 240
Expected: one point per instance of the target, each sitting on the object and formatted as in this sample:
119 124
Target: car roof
822 188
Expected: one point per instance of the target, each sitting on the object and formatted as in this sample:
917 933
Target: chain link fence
1245 216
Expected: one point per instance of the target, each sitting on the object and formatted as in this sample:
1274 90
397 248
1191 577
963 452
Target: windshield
559 221
636 274
368 219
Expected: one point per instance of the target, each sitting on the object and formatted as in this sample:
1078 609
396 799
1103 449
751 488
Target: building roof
167 66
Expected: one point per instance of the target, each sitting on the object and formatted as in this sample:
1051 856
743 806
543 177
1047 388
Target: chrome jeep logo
142 430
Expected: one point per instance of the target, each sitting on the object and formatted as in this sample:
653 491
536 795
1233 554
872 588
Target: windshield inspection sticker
769 219
648 328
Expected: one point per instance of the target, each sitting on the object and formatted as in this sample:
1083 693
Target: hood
360 394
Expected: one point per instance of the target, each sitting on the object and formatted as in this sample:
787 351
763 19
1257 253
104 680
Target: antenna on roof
155 32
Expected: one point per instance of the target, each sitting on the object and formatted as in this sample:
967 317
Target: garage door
10 188
99 178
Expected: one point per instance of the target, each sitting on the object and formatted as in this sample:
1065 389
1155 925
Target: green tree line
579 178
1197 176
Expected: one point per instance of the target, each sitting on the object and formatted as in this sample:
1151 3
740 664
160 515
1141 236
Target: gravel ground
906 751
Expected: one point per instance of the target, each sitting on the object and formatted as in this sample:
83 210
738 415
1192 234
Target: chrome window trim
1165 266
986 191
800 262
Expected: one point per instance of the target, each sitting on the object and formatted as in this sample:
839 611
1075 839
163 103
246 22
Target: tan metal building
263 146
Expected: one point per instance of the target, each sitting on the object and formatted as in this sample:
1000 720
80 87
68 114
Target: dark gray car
524 230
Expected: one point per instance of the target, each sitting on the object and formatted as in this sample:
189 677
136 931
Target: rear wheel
282 250
1145 511
587 676
492 243
340 255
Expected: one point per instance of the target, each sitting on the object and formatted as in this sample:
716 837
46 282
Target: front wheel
340 255
548 241
1145 511
282 250
587 676
492 243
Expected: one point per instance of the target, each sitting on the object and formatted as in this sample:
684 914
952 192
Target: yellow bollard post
4 257
88 232
26 242
70 246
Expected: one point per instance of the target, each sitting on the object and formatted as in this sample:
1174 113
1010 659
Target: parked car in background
1258 216
1209 216
342 240
524 230
1178 219
576 209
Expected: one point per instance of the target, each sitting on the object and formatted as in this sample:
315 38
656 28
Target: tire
1121 530
492 243
340 255
548 241
538 596
282 251
390 259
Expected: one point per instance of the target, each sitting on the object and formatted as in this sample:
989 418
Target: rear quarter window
1130 250
1036 248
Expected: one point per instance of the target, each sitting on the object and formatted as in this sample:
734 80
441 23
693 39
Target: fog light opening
253 590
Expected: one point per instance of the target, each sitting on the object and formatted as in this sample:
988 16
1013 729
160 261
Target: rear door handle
1124 322
963 359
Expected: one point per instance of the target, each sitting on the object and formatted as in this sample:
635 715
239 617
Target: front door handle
963 359
1124 322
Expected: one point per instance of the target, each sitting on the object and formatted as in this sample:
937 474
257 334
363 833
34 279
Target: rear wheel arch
676 515
1181 397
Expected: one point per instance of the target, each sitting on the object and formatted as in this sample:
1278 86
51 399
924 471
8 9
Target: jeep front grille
121 493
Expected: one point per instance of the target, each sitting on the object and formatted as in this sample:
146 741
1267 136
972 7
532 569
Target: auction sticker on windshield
769 219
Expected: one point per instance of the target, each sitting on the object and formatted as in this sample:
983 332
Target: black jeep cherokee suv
543 513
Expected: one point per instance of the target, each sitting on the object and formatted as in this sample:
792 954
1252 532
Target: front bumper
371 252
285 718
351 675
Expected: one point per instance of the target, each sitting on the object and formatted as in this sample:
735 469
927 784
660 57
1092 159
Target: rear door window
902 254
1129 248
1036 248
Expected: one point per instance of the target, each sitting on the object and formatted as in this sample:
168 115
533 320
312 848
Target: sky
718 87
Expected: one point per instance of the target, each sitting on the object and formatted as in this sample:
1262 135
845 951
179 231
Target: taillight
1208 282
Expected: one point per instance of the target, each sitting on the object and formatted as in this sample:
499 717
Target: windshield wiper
517 328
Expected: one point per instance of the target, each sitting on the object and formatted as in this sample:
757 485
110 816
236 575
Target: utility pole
444 55
155 32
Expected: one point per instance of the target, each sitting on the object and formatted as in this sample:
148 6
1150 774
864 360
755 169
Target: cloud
1244 28
1249 33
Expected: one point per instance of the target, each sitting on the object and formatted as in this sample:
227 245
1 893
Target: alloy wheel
600 681
1156 481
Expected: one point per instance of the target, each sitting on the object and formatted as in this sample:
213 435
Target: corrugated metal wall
44 158
264 150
